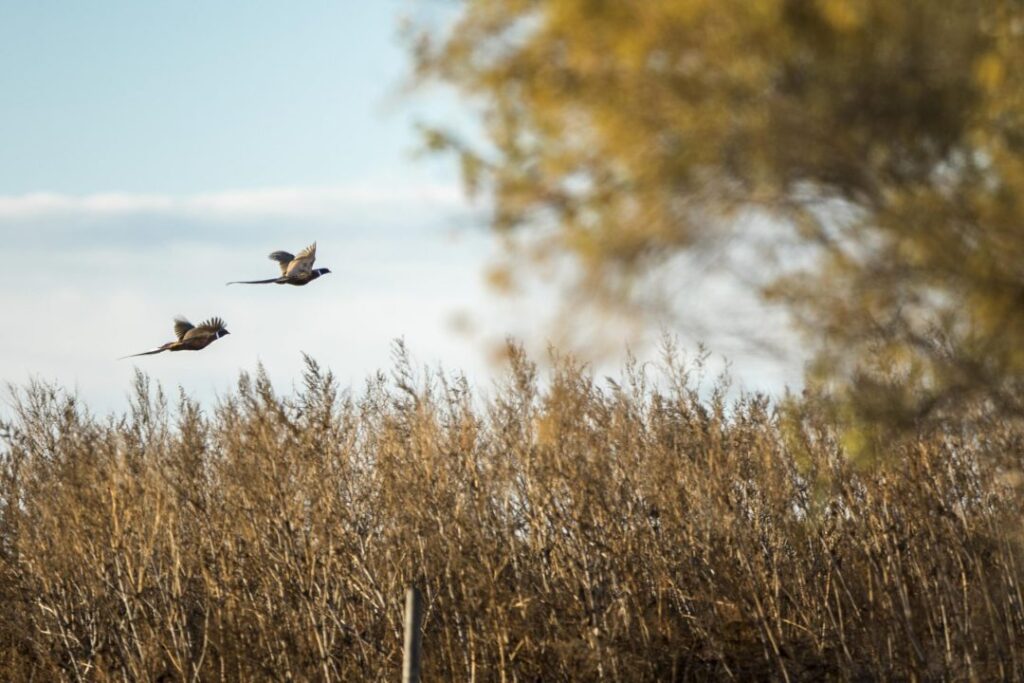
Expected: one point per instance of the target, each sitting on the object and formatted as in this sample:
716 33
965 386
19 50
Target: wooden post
413 637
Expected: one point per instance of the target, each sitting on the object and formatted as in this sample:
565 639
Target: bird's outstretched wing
210 326
283 258
181 327
302 264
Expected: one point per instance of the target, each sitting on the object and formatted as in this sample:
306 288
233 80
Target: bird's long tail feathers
145 353
254 282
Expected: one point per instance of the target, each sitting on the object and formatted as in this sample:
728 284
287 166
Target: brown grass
564 530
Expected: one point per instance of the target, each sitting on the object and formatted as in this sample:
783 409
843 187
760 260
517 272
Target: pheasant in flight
190 337
295 269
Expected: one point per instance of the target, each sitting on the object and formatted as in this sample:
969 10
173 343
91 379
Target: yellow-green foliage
562 529
886 135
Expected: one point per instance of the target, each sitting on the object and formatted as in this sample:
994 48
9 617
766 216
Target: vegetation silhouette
562 528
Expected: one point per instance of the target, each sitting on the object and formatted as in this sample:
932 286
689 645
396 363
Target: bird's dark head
222 333
323 271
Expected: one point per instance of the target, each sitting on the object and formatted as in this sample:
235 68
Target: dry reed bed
581 531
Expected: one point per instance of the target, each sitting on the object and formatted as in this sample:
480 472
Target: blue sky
184 97
154 150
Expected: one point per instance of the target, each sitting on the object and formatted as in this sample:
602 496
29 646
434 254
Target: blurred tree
887 136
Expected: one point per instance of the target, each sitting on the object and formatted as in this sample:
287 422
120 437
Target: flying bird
190 337
296 269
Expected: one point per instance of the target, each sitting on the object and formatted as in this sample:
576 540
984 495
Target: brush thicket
564 529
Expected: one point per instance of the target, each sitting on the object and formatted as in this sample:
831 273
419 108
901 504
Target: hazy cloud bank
101 275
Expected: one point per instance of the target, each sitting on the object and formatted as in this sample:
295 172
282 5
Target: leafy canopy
887 137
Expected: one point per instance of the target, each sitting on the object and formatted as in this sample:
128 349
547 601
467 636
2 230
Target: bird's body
190 337
296 270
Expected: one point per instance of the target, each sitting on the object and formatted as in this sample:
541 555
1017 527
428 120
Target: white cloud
101 275
320 201
273 202
78 310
